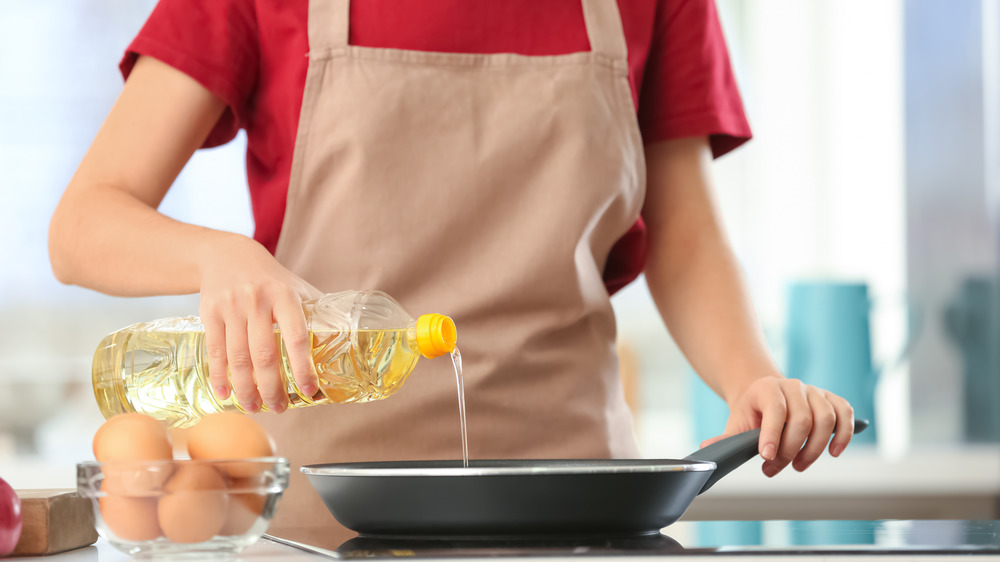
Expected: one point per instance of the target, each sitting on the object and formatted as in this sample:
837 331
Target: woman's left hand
796 422
697 285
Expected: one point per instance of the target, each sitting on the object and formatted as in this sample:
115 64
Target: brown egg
244 507
138 479
126 444
229 435
132 437
130 518
195 505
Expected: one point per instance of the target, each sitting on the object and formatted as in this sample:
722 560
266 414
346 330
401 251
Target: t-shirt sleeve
212 41
688 86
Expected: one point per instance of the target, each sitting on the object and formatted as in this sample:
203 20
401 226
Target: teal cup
828 339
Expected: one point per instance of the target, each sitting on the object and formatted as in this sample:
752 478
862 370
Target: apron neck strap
604 28
329 22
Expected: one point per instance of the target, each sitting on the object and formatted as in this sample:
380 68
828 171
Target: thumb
715 439
734 425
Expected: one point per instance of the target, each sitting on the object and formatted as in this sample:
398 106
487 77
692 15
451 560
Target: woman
507 164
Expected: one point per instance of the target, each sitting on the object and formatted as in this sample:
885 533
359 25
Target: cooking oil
456 360
364 346
166 373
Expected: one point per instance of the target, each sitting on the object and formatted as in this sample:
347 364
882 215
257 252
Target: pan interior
508 467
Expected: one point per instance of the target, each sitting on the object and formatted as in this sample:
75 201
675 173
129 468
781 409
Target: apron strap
604 28
329 21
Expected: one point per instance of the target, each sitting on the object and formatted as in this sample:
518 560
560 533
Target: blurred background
864 212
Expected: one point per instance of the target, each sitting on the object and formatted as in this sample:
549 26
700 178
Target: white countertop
269 551
931 483
262 551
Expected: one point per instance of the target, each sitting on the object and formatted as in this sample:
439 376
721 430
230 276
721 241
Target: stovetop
705 537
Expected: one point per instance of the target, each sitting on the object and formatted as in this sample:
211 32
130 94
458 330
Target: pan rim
372 469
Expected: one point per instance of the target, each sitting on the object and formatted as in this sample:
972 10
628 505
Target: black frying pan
524 497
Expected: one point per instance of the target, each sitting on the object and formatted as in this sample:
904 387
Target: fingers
215 348
824 421
229 335
230 365
241 366
298 347
245 358
845 425
265 358
797 423
774 409
244 293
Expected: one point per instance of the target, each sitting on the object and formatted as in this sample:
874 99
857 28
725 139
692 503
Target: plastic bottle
364 344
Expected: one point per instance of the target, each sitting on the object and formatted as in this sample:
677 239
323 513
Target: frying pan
524 497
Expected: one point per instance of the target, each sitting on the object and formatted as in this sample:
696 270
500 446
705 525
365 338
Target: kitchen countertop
925 483
861 485
883 541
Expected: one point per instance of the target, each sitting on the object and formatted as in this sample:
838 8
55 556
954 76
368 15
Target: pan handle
732 452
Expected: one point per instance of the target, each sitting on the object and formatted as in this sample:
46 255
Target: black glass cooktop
706 537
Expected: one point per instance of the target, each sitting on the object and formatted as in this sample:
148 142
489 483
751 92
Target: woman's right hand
106 223
245 294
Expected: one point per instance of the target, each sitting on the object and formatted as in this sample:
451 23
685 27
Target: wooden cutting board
54 521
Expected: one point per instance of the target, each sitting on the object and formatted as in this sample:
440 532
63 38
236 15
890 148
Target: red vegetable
10 518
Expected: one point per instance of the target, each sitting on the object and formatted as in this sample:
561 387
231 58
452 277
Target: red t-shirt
252 54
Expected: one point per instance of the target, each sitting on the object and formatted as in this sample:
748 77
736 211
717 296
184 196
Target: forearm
699 292
105 239
694 277
106 233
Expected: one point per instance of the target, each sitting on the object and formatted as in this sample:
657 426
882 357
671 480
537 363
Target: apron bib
488 187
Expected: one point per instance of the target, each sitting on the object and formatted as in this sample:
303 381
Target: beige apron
488 187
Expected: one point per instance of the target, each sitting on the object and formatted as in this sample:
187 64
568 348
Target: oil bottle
364 345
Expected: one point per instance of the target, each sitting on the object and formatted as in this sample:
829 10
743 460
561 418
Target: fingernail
222 392
309 389
769 452
253 408
836 450
769 471
278 408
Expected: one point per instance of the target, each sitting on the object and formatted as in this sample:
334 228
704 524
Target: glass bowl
179 508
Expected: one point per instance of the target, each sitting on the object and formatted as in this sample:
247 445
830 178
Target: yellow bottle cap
436 335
